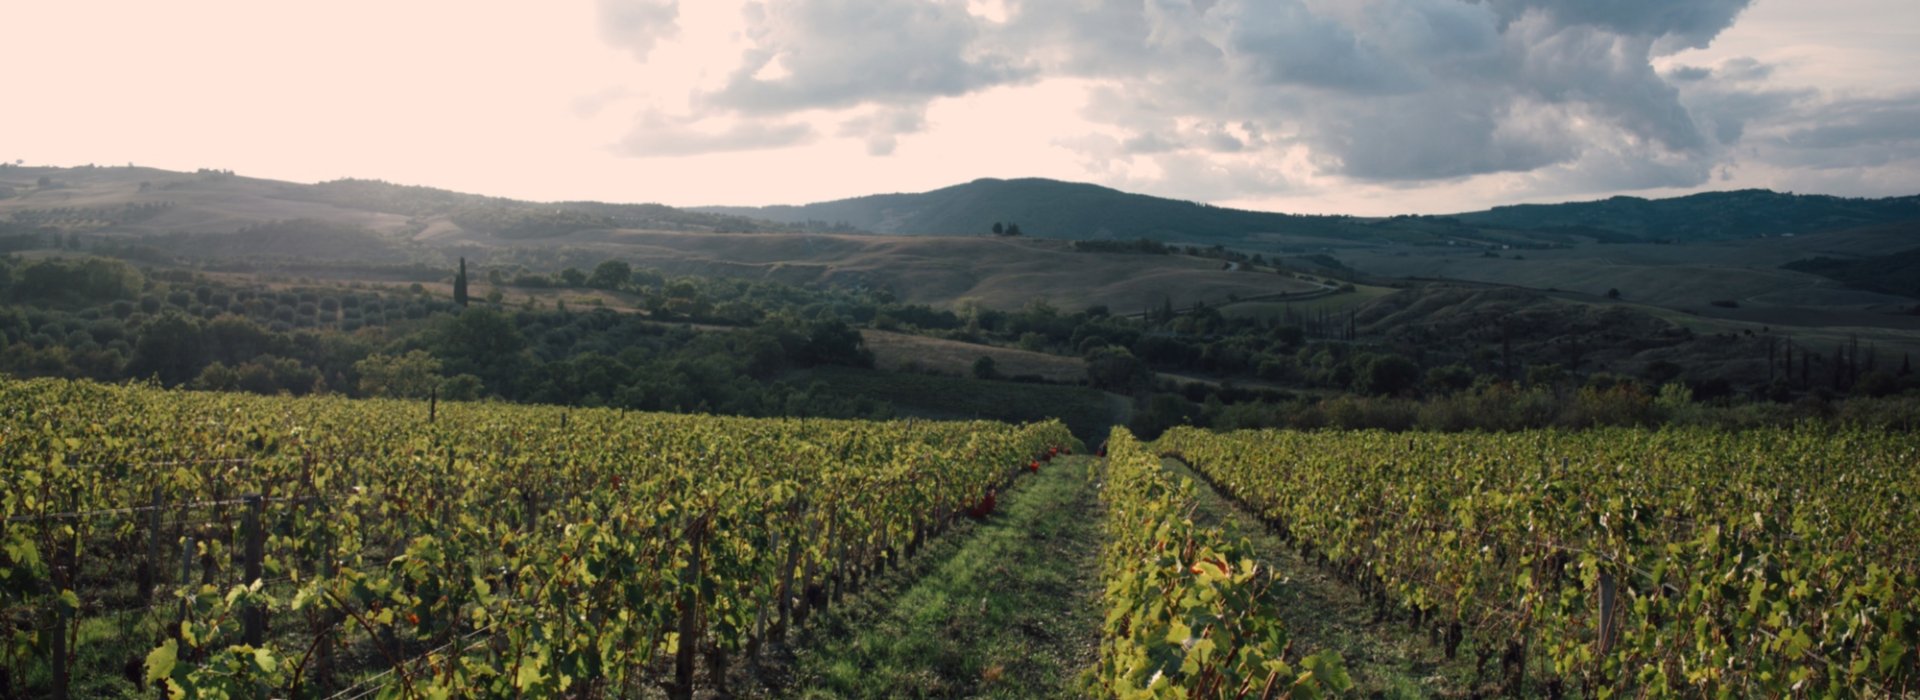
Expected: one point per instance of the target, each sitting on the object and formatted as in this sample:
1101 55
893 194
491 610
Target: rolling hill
1708 216
1046 209
932 247
1055 209
364 229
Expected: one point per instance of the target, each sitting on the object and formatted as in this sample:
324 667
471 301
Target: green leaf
528 676
160 661
265 660
1330 669
1179 632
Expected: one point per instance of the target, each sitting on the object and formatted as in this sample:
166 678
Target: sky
1366 107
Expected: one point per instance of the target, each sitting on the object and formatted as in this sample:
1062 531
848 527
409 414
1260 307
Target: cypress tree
460 284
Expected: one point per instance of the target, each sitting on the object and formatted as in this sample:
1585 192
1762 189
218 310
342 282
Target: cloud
1387 91
1724 100
1672 24
658 135
1442 136
847 53
1860 122
1848 133
1554 96
638 25
590 105
1285 45
882 129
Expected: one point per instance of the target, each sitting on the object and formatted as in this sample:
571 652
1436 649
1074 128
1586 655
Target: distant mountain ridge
1707 215
212 201
1056 209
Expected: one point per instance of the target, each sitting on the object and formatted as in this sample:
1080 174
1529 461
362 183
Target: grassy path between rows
1386 658
1003 608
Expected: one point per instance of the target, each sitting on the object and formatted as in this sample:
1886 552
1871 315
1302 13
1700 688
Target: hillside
1055 209
1898 273
942 270
149 200
1044 208
1708 216
364 229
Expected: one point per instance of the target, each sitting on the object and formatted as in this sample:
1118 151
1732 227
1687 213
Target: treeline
1502 406
514 219
1141 246
1274 372
104 319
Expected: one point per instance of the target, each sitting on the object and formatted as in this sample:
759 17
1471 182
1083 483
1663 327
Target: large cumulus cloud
1251 94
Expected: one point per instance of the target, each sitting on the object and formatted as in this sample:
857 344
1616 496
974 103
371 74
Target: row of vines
1674 563
222 545
1188 613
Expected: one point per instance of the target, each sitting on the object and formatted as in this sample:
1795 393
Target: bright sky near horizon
1315 106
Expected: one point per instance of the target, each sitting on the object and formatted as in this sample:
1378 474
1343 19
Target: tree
460 284
464 387
1013 229
1613 293
983 368
171 348
612 274
414 375
1115 368
998 229
1384 374
484 343
573 277
1449 379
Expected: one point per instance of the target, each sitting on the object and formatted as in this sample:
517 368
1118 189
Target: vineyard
1675 563
319 547
225 545
1186 606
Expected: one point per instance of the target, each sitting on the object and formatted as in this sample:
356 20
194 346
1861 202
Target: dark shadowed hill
1898 273
1046 209
1708 216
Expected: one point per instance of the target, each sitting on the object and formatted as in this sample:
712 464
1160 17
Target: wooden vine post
62 620
186 574
688 649
255 616
153 564
1607 594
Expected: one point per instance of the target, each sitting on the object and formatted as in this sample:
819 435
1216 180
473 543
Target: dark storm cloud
1674 24
638 25
1434 137
1282 44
